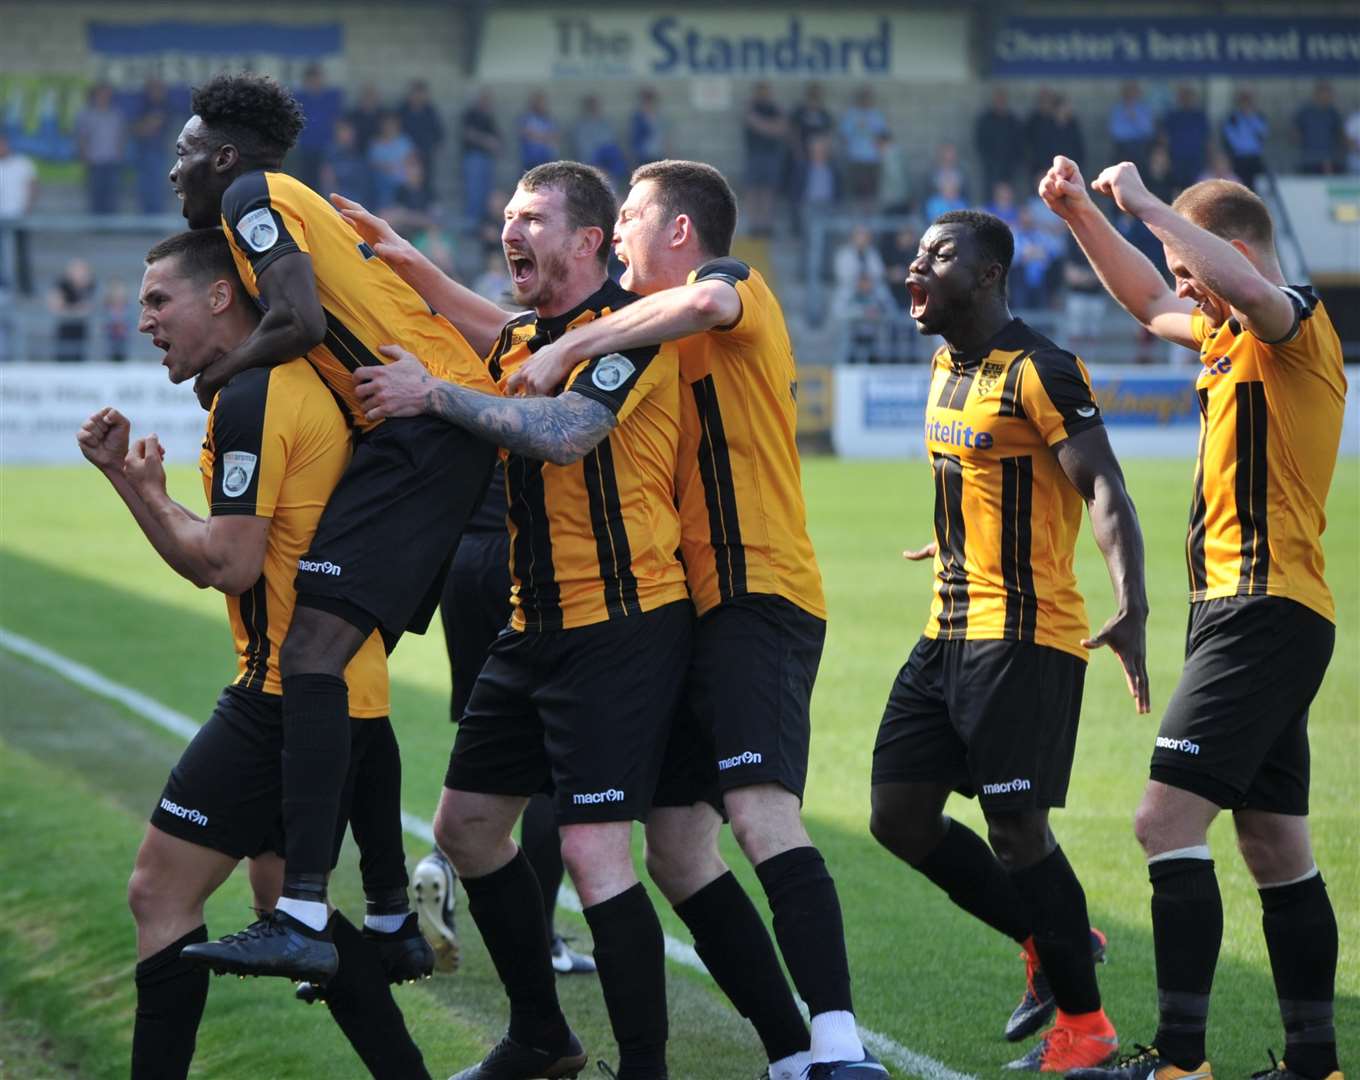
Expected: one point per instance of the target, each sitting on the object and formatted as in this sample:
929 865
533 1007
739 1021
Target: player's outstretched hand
375 231
1063 189
103 439
397 388
1123 184
920 554
143 466
544 372
1126 635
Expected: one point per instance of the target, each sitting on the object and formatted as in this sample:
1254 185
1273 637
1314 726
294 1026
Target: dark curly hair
251 112
993 236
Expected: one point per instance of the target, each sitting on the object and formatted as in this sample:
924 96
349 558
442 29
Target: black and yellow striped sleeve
262 225
620 380
248 457
1056 394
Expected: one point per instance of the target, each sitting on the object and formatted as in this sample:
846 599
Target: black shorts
475 608
1236 728
226 790
583 713
995 719
386 538
748 700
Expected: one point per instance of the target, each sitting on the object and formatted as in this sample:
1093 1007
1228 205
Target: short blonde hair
1227 209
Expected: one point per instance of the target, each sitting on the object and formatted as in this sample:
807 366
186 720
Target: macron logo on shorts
326 567
749 757
193 817
1184 746
587 798
1006 788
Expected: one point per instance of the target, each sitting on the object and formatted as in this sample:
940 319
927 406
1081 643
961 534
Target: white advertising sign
43 405
800 44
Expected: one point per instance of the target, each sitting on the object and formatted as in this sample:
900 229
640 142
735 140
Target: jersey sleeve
737 274
261 221
620 380
1296 342
248 458
1055 391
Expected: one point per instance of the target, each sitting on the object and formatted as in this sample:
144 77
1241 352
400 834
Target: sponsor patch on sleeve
237 469
259 230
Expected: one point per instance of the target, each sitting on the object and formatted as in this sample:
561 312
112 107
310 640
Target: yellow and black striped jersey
1006 516
597 539
1270 427
275 447
743 522
268 214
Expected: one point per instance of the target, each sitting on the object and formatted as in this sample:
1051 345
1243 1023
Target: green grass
79 775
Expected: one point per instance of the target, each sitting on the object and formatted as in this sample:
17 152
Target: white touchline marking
890 1050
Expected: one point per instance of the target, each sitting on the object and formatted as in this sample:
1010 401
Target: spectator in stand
894 181
856 258
1003 203
595 142
152 136
410 211
492 221
808 120
1132 126
1158 177
1353 142
947 171
949 196
898 249
1186 131
861 125
766 135
423 126
1244 137
493 283
1084 298
999 135
18 187
345 169
819 185
71 301
480 137
388 156
1041 132
117 318
646 133
1321 134
540 140
1067 135
366 116
321 105
101 140
1036 252
866 311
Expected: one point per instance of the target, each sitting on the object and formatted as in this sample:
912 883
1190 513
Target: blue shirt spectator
321 105
595 142
646 134
1132 126
345 169
1186 127
151 145
388 155
861 126
1244 136
1321 133
420 120
540 141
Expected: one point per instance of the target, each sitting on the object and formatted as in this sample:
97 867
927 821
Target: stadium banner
801 44
1149 411
187 53
43 405
1055 47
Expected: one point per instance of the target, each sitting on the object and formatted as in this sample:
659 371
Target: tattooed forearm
559 429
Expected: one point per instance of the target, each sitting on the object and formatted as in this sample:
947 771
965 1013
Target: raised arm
476 318
1091 467
294 322
1125 271
560 429
663 316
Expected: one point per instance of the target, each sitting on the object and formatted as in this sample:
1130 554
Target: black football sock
375 818
967 870
1187 931
808 927
508 910
360 1001
170 996
316 738
1301 936
1062 930
542 846
630 953
736 948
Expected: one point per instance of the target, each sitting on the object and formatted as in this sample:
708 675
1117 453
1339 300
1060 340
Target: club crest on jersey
612 371
237 469
987 377
258 230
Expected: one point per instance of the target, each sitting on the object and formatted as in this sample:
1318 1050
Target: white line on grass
889 1049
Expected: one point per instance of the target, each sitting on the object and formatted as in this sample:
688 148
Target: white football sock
384 924
310 913
834 1037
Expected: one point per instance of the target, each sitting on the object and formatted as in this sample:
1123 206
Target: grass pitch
79 776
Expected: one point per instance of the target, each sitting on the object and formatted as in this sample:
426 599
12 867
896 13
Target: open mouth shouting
920 298
523 268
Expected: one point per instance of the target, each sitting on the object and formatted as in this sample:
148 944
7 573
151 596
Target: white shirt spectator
17 177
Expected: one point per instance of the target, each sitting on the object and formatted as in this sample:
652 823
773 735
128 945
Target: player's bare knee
318 643
142 896
1147 824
